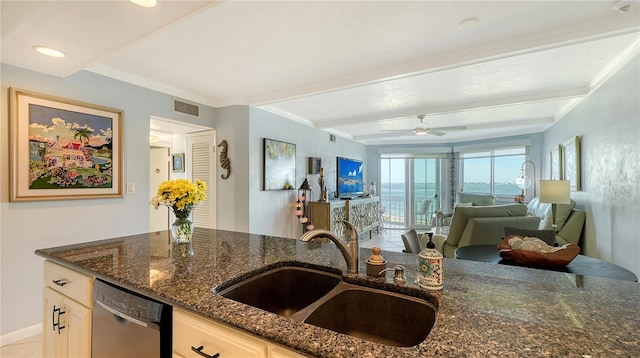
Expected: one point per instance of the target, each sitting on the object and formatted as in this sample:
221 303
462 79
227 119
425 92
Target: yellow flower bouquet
181 196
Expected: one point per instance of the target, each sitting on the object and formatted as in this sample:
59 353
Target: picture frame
279 163
177 162
63 149
555 160
314 165
571 163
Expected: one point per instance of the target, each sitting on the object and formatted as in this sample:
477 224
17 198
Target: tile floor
27 348
387 239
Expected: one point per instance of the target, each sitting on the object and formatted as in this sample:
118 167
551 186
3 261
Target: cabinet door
67 326
191 332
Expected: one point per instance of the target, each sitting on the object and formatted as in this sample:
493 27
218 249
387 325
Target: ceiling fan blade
455 128
437 133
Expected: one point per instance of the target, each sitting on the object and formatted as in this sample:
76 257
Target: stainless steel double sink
322 298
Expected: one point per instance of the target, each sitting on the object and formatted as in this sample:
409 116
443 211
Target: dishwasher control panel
129 304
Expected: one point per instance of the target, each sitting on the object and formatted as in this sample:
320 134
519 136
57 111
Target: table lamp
554 192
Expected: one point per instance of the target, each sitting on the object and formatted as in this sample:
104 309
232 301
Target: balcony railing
394 212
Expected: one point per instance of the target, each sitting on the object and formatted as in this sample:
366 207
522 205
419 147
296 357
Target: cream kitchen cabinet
196 337
66 312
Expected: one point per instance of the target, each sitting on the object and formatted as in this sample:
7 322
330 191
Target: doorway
158 172
168 137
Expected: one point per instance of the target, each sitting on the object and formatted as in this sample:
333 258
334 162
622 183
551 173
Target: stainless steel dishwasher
125 324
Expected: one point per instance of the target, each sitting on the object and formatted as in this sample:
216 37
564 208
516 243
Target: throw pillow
548 236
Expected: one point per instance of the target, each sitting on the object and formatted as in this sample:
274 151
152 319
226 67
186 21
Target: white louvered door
201 153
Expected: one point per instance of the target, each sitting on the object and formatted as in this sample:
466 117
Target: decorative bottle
430 262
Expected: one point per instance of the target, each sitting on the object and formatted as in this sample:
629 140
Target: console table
581 265
361 213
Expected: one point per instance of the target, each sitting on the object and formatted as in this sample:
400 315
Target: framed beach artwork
279 163
571 162
556 163
63 149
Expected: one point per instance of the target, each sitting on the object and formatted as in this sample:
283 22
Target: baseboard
20 334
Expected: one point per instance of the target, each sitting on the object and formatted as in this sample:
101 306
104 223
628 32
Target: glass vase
182 229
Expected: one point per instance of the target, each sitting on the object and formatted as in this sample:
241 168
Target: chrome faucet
350 250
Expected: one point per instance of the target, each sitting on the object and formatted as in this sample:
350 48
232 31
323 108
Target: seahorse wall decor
224 161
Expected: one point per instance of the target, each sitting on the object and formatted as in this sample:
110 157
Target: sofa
465 199
570 220
483 225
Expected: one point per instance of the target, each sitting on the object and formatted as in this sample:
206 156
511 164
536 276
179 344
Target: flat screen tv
350 178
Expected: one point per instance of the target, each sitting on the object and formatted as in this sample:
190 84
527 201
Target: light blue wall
27 226
271 212
608 122
232 125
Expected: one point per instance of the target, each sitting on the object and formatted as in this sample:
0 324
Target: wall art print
555 154
571 162
279 165
63 149
177 162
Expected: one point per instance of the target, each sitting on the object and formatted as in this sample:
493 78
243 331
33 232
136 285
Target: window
410 189
492 172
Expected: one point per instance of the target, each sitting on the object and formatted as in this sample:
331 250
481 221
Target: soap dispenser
430 262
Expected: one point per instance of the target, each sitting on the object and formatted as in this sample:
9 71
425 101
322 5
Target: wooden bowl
561 257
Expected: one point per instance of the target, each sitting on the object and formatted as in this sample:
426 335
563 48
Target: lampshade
524 181
554 191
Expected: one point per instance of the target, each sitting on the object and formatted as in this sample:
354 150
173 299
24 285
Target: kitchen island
484 309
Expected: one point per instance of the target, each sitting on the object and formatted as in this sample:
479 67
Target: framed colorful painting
63 149
279 165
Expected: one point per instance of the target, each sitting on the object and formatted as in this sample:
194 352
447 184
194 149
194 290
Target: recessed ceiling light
145 3
469 23
49 51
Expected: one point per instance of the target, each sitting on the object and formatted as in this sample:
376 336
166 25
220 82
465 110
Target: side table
581 265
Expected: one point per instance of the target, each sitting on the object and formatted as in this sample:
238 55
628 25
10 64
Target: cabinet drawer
192 331
68 282
280 352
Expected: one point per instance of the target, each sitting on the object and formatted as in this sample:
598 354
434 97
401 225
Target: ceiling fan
420 130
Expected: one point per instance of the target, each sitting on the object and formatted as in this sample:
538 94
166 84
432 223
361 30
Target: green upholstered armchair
483 225
570 220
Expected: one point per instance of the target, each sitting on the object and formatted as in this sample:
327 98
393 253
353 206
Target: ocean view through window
413 187
410 190
492 172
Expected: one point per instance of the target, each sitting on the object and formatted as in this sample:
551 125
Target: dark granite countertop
484 310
